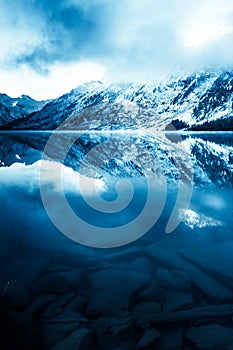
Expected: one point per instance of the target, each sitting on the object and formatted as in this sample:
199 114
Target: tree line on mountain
221 124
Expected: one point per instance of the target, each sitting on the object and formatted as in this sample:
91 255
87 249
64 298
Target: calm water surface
189 268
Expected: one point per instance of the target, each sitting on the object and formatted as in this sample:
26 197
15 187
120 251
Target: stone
140 265
57 283
149 338
69 316
171 338
175 300
125 346
64 299
113 324
161 255
173 279
51 311
222 252
194 314
54 267
101 266
40 303
188 261
115 332
50 332
150 292
78 303
110 290
126 255
120 323
144 309
211 337
78 340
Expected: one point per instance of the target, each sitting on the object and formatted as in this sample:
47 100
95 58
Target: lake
116 240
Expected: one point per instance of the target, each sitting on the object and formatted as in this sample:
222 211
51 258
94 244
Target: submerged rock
110 290
173 279
191 264
53 331
113 324
78 303
140 265
144 309
115 332
57 283
211 337
40 303
171 338
69 316
51 311
148 339
176 299
64 299
78 340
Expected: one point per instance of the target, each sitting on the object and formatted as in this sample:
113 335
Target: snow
19 174
193 219
174 99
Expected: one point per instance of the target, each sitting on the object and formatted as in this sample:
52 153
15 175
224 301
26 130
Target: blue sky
49 47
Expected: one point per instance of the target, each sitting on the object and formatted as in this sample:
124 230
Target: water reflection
157 160
157 280
211 155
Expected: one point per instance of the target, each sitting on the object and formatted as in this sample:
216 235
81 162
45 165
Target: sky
49 47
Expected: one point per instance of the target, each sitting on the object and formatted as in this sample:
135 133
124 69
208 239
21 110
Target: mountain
186 101
17 108
198 159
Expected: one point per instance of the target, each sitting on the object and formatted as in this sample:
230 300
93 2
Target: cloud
61 78
131 39
39 33
28 176
155 36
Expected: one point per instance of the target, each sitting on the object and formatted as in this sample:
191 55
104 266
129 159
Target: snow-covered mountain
189 102
186 101
17 108
197 159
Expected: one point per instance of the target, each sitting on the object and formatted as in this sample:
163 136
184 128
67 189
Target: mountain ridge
17 108
187 102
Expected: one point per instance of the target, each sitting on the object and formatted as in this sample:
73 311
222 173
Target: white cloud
138 40
62 77
28 176
205 33
19 34
211 22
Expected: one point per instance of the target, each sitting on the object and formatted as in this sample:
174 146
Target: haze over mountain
48 47
200 100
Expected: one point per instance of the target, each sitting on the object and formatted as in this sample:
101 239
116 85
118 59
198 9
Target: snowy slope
192 99
15 108
191 159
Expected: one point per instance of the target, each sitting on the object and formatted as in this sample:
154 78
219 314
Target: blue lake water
116 233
